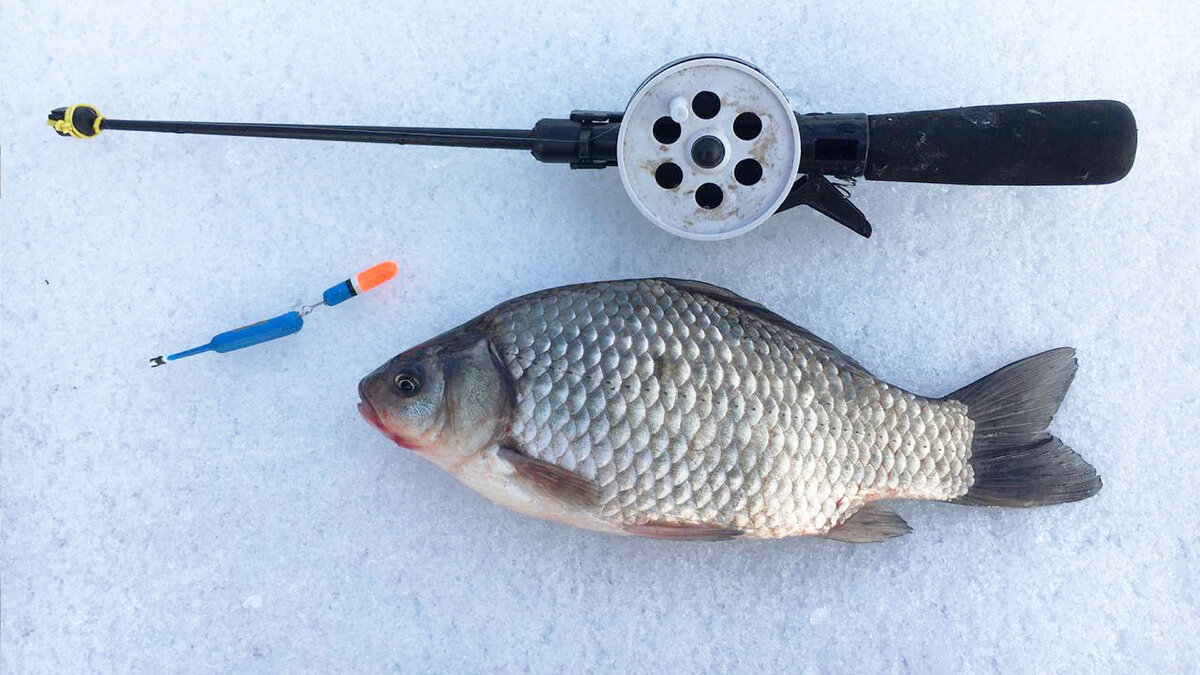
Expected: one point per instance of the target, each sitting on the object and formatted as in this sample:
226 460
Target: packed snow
233 512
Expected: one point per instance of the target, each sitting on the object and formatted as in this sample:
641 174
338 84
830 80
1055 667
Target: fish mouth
367 411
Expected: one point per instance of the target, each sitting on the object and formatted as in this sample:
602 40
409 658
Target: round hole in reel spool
709 196
668 175
666 130
748 171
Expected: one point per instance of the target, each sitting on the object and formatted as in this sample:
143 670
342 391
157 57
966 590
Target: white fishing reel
708 147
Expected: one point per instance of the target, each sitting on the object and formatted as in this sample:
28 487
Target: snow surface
233 513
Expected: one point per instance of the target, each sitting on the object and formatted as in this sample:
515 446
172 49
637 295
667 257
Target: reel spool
708 148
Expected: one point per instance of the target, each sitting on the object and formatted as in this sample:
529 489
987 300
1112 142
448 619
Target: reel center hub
708 152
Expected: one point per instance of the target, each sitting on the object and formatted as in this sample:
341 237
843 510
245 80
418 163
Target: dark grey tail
1016 462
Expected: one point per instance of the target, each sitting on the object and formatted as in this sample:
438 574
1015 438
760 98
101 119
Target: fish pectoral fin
657 529
551 480
871 523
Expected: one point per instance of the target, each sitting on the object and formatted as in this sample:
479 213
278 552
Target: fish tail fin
1016 463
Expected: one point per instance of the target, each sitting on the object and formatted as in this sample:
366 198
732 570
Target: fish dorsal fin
552 480
871 523
658 529
728 297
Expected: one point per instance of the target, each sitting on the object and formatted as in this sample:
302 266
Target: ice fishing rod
708 147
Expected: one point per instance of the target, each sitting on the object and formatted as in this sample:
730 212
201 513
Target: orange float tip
374 276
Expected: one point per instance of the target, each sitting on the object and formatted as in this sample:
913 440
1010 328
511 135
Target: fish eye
407 384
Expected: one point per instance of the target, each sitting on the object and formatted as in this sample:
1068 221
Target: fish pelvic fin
872 523
1015 461
551 480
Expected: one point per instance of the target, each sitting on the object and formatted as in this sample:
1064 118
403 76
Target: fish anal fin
871 523
658 529
552 480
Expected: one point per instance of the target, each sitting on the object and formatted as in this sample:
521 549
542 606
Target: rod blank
508 139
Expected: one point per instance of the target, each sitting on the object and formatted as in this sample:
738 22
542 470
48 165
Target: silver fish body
678 409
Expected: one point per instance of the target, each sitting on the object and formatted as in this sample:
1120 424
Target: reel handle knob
680 110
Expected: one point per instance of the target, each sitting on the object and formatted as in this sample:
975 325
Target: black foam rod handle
1064 143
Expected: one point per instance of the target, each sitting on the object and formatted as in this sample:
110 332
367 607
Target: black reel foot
817 192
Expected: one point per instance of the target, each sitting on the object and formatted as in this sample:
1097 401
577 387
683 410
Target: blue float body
340 293
246 336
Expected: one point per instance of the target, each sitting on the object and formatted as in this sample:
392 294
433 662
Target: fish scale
756 425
